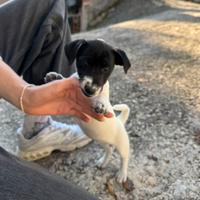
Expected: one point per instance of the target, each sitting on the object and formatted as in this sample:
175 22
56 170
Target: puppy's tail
124 109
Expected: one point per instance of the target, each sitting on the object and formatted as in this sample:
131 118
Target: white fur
111 132
88 81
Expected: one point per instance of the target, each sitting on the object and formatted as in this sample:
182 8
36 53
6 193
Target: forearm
11 85
60 97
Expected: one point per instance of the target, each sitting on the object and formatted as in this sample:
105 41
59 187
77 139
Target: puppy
95 61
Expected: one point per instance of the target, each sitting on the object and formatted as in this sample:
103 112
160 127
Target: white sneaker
55 136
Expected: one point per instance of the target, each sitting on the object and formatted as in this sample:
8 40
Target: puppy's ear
122 59
72 49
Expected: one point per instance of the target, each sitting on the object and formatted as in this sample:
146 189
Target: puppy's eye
105 69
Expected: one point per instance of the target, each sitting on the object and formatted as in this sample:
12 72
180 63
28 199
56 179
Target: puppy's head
95 61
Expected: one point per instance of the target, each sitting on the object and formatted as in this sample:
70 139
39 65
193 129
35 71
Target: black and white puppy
95 61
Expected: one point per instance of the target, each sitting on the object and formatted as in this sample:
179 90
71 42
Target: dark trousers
33 34
20 180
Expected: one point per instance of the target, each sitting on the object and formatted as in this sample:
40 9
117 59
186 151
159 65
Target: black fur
96 59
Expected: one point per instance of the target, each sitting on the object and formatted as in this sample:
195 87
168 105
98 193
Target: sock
33 124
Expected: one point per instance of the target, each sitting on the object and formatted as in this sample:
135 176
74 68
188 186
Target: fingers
85 117
96 116
83 103
85 106
85 111
80 115
108 115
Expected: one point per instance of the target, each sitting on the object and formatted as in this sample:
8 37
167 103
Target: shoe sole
42 153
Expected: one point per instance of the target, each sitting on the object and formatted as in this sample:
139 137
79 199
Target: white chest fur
111 132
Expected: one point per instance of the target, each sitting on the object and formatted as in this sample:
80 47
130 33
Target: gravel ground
162 90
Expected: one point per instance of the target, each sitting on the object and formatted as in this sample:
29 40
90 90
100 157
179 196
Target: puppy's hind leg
123 149
104 160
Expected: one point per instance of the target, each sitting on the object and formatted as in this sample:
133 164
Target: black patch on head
96 59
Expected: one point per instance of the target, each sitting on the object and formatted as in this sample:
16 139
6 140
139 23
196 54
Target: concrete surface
163 91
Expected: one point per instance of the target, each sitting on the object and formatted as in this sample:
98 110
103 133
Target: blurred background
89 14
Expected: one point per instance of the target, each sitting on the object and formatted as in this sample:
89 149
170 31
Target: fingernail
109 115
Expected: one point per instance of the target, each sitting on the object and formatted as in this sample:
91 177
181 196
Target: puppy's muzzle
89 90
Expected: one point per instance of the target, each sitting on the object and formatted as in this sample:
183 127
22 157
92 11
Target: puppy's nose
89 91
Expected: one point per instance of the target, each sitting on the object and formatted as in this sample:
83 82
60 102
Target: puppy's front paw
100 108
51 76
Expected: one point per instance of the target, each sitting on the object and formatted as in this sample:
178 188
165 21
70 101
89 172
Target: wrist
26 98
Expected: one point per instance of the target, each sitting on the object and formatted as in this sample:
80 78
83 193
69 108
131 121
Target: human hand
60 97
